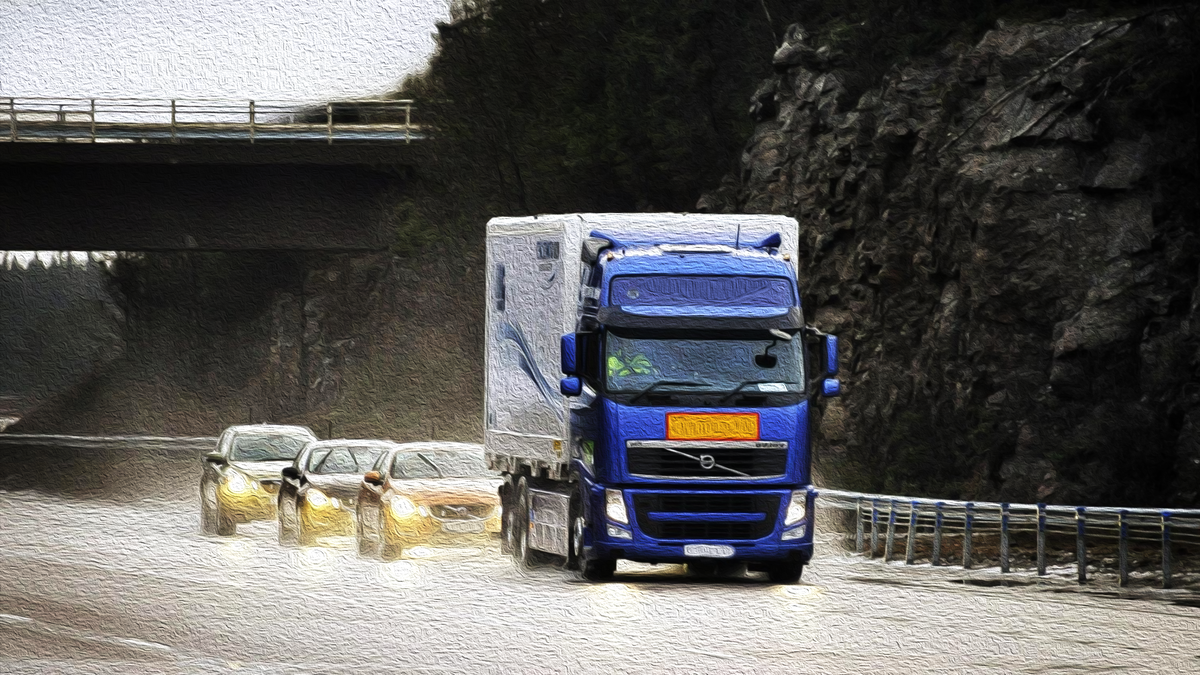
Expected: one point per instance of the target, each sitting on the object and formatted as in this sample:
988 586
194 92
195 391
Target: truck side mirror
831 355
290 472
570 386
215 458
568 354
831 387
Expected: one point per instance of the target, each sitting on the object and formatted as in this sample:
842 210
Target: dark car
240 478
319 490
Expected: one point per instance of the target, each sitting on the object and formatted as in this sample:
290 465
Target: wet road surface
111 575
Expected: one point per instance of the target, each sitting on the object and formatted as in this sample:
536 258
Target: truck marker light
614 506
712 427
797 508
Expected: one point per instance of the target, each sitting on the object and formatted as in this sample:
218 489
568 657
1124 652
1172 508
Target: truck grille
706 516
729 460
460 512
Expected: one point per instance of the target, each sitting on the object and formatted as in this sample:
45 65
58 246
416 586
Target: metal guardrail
921 520
130 120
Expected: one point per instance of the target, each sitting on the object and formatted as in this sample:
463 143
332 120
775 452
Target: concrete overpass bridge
145 175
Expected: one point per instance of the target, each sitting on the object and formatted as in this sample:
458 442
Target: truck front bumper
702 519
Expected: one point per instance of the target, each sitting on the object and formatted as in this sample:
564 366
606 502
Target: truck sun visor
729 318
709 291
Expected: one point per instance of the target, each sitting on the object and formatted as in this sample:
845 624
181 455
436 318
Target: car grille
683 515
732 460
460 511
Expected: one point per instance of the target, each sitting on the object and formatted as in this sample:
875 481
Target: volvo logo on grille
707 461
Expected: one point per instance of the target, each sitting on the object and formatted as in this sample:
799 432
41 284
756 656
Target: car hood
450 490
341 485
261 470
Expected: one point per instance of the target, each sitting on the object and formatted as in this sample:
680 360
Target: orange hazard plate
722 427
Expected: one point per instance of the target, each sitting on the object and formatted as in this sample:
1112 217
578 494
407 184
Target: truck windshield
755 361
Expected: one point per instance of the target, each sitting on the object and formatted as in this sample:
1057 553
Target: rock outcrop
1005 237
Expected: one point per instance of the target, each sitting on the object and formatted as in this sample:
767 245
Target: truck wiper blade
676 383
746 384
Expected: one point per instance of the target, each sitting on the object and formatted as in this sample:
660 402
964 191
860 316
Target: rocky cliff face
1005 237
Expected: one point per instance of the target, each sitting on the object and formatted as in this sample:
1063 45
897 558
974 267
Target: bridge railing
941 529
128 120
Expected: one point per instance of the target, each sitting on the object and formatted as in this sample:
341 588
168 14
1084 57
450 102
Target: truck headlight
797 508
614 506
237 483
316 498
794 533
402 507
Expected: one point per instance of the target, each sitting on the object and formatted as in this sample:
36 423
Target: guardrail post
968 523
1123 546
909 551
1041 539
174 138
93 111
61 118
858 527
12 119
329 120
1080 544
937 534
407 123
251 122
1166 548
1004 537
891 532
874 527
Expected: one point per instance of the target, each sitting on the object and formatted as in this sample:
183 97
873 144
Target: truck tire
785 572
507 515
597 569
578 526
526 555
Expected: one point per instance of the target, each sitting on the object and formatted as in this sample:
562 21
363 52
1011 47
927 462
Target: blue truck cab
687 374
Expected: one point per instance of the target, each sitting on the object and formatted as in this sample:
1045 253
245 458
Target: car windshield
440 464
266 448
755 361
355 459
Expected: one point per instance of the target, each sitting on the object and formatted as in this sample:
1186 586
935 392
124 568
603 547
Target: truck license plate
708 551
463 526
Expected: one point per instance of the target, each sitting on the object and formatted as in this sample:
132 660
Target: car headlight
402 507
614 506
237 483
797 508
316 498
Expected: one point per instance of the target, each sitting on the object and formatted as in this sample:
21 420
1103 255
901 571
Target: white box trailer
533 291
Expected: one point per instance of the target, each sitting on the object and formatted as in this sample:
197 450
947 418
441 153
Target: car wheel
287 522
304 536
785 572
388 549
212 520
365 547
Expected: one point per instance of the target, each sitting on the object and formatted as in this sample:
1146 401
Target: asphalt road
103 570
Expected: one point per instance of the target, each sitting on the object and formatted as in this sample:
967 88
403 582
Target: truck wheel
597 570
526 555
507 515
578 528
212 520
785 572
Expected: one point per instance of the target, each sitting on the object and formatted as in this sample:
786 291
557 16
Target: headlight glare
316 498
797 508
402 507
614 506
237 483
